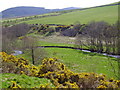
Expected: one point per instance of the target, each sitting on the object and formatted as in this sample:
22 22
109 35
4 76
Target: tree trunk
118 68
33 62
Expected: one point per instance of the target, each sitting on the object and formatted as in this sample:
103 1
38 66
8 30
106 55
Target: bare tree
118 46
101 37
37 54
11 34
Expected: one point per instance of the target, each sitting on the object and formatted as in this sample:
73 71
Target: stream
115 56
17 52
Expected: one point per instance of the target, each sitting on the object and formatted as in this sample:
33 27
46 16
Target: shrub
59 74
69 32
62 77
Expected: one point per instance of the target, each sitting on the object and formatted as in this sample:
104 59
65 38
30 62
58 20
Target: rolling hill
29 11
107 13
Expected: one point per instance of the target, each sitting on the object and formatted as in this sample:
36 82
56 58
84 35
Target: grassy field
79 61
108 14
54 40
76 60
26 54
23 80
20 18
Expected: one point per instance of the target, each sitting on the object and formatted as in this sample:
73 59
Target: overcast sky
53 4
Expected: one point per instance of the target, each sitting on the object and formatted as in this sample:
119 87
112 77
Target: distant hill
70 8
28 11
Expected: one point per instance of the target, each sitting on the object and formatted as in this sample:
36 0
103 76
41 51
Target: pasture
108 14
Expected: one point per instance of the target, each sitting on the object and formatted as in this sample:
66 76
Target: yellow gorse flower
59 74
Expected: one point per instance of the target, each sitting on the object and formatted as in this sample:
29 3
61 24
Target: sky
53 4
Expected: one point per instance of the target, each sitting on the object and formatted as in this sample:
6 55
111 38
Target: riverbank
84 50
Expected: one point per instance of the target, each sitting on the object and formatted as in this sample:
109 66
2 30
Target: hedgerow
57 72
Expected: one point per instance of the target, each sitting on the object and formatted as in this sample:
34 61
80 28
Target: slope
106 13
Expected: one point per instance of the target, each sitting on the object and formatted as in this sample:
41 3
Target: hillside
103 13
28 11
23 11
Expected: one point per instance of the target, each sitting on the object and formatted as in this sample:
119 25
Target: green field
76 60
79 61
22 80
53 40
108 14
47 14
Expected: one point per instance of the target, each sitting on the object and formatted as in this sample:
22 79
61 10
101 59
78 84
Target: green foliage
24 81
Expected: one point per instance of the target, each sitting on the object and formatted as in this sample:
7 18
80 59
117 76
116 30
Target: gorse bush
62 77
58 73
12 64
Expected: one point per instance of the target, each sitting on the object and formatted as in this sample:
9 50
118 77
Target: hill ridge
21 11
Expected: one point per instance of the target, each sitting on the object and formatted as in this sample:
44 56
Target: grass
28 56
23 80
108 14
30 16
44 43
53 40
79 61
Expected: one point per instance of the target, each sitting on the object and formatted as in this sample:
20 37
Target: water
115 56
85 50
17 52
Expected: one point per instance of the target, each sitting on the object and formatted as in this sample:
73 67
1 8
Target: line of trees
100 37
